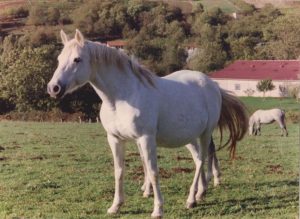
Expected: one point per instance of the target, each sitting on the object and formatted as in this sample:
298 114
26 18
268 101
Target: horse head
74 67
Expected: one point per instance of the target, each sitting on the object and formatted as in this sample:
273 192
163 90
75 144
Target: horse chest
122 122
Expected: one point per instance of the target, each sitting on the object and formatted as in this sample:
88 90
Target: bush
53 16
41 36
37 16
19 12
40 15
55 115
25 75
292 116
64 20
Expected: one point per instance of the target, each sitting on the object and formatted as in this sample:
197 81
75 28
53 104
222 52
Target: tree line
157 34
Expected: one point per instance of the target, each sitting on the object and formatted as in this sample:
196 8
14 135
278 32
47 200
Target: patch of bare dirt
133 154
274 169
183 158
182 170
163 173
3 158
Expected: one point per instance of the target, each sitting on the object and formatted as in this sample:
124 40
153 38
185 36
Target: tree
158 44
265 85
24 77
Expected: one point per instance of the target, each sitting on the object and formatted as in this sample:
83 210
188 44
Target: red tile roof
260 69
114 43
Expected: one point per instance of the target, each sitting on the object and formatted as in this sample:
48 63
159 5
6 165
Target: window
237 87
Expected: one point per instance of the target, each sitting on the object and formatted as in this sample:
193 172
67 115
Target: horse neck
113 83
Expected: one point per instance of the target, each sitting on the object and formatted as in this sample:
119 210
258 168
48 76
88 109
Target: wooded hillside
158 34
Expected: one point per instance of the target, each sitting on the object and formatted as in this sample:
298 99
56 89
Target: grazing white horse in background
170 112
266 117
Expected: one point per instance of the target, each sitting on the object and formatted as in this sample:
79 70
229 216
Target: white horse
170 112
266 117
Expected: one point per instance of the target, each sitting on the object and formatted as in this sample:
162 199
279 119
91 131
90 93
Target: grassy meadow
65 170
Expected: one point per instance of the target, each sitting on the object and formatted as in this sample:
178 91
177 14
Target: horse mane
112 56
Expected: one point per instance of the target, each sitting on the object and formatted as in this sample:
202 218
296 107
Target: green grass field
65 170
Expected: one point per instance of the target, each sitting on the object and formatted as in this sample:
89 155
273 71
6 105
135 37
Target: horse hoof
157 214
190 205
143 188
216 183
200 197
146 194
114 209
156 217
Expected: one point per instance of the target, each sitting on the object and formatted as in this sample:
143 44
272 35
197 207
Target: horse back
189 104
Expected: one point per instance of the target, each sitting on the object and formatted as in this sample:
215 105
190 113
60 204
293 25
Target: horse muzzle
56 90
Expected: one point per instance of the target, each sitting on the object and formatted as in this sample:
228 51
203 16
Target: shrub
55 115
292 116
53 16
42 36
19 12
25 75
37 16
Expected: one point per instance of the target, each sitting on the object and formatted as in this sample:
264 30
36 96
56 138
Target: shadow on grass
270 184
255 203
252 204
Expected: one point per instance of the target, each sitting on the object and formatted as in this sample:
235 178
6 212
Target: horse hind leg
213 168
282 125
193 147
205 140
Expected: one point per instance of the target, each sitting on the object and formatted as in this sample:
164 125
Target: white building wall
248 87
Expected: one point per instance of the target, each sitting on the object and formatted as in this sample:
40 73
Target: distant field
287 104
65 170
226 5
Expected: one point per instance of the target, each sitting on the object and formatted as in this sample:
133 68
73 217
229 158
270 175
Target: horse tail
233 117
283 118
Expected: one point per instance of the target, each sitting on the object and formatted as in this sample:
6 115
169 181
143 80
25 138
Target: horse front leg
146 187
148 148
259 129
117 148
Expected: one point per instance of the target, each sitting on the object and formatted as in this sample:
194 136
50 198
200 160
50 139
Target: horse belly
267 119
178 130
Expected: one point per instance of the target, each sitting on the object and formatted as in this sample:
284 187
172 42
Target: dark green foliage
41 36
24 76
18 12
105 18
53 16
159 42
41 15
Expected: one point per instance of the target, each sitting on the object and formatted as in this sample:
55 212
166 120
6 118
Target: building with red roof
119 44
241 77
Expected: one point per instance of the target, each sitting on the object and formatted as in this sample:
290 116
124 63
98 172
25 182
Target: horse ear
64 37
79 37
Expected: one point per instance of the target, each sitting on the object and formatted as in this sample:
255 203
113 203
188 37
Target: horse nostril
56 89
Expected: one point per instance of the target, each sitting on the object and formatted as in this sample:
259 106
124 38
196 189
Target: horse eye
77 60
